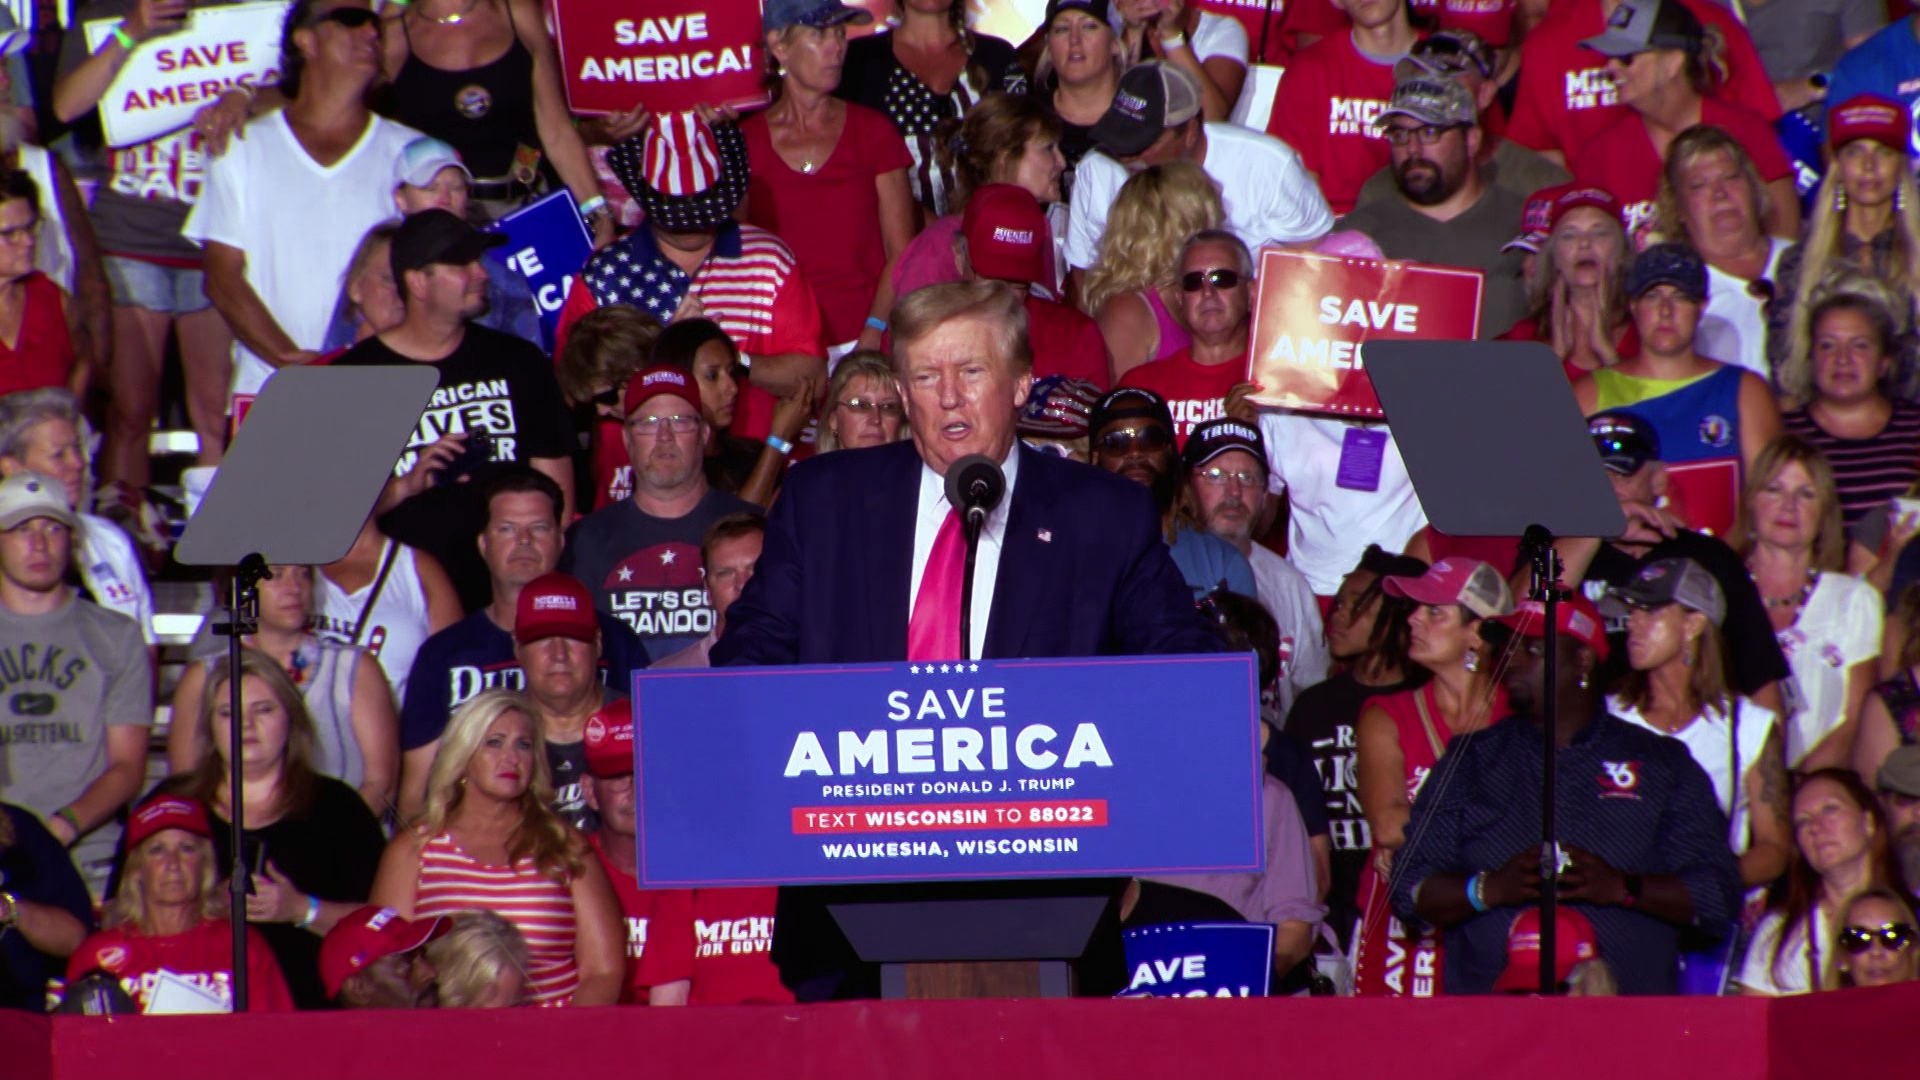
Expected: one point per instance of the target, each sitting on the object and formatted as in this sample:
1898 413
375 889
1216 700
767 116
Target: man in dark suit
861 562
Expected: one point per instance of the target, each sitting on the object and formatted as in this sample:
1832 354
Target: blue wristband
1476 889
780 444
877 323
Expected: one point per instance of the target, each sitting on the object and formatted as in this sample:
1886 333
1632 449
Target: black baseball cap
1216 437
1095 8
1668 264
1669 581
1129 403
438 236
1153 96
1625 441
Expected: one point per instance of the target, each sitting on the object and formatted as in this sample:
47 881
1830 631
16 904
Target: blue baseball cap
1668 264
779 14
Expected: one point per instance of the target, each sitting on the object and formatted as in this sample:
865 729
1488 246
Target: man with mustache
1899 783
1133 436
1227 485
1447 211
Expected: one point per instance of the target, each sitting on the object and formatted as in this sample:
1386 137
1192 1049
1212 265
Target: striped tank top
452 881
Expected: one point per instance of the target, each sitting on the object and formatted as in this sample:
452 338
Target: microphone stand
1537 545
971 523
243 615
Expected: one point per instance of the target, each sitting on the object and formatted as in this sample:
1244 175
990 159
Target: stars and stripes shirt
1632 797
750 284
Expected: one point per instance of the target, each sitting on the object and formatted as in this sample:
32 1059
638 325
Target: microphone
975 485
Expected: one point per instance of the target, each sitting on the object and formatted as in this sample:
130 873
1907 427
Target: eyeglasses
1195 280
1428 134
1219 477
888 410
650 425
1895 936
1124 440
610 397
20 234
353 18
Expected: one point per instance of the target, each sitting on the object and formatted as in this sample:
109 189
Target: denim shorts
149 285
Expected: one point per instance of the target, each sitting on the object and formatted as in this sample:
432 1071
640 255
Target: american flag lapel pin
1046 536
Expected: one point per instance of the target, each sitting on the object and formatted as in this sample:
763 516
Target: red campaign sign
1705 494
1314 313
669 55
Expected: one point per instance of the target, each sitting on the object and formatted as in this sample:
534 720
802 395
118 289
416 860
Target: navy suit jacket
1083 571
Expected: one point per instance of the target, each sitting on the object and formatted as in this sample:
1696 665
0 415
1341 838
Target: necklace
454 19
1795 599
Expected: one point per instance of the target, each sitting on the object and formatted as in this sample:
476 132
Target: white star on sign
944 668
666 558
973 667
626 574
915 669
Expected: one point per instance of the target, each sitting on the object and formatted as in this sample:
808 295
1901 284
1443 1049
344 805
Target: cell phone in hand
477 452
1905 509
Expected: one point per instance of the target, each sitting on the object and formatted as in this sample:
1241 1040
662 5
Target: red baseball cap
1573 196
367 935
1574 942
656 379
1006 231
554 605
167 812
609 741
1867 116
1536 219
1577 618
1472 584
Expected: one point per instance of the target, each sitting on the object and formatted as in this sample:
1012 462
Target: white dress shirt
986 566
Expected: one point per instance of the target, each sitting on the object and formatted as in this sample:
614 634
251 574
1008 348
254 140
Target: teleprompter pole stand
1537 545
243 615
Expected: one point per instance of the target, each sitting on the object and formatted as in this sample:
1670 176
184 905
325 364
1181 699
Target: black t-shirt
1076 140
1751 645
568 763
36 869
501 391
1288 762
1324 718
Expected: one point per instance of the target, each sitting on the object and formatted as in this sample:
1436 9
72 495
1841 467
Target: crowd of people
932 235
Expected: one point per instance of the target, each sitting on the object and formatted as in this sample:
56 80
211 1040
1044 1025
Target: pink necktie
934 631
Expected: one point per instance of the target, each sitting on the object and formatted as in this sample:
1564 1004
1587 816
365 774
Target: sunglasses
1895 936
1195 280
1146 438
353 18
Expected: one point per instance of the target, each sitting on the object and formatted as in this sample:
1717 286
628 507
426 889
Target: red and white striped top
452 881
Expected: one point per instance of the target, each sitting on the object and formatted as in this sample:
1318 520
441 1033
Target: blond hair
1820 259
923 311
1830 543
861 363
541 835
1688 147
129 904
470 957
1157 209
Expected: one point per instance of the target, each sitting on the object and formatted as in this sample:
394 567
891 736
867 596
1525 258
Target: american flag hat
687 176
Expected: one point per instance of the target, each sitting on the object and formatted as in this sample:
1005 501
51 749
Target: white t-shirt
1794 973
1709 739
1220 35
397 625
1733 326
113 573
1331 526
1268 194
1839 627
298 223
1287 596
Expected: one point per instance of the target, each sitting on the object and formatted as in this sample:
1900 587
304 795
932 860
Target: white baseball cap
28 495
422 159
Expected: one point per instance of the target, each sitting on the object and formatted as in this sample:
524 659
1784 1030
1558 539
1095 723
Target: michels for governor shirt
645 570
499 391
1332 93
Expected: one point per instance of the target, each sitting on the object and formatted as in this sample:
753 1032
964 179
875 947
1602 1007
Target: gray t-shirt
646 570
1796 38
65 677
151 186
1512 166
1472 240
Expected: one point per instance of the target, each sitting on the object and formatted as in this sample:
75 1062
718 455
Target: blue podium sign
922 772
547 243
1199 960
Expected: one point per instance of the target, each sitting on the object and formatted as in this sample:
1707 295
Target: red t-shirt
42 355
671 957
1195 392
840 252
1066 342
1622 159
612 471
1625 346
731 933
202 956
1492 20
1274 26
1325 109
1565 97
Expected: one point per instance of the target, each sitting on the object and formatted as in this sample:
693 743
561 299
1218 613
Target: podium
967 828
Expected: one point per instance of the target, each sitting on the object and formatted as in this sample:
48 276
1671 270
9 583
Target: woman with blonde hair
169 915
1876 943
492 840
1130 289
863 405
1577 297
1866 219
1827 621
312 845
482 962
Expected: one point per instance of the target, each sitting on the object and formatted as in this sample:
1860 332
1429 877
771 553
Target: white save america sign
171 77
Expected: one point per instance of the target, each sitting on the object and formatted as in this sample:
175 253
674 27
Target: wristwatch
1634 884
9 909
